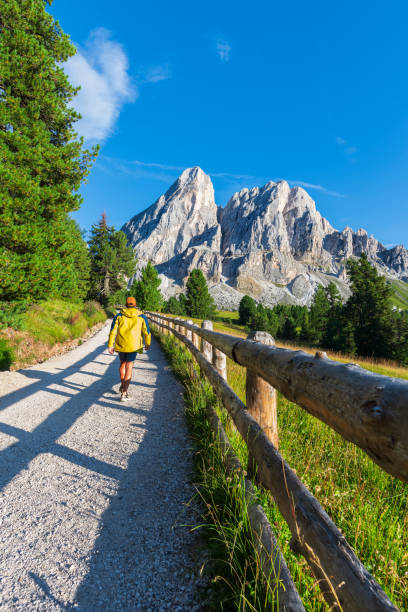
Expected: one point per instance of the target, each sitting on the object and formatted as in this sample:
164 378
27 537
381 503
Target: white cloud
318 188
154 74
223 50
228 175
347 149
150 169
137 162
101 69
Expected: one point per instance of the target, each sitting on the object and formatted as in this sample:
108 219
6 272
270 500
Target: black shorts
127 356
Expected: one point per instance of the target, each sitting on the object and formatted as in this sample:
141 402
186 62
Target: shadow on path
43 438
142 556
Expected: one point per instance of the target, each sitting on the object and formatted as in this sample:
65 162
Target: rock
269 242
178 219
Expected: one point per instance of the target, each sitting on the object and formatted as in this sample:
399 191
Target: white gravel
94 493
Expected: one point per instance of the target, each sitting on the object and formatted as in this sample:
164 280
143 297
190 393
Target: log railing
367 409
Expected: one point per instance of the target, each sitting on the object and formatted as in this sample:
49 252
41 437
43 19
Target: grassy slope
42 326
400 297
369 506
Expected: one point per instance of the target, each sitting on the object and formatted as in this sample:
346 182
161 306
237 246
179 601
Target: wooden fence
367 409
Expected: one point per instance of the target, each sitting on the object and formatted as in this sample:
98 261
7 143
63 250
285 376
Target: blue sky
313 92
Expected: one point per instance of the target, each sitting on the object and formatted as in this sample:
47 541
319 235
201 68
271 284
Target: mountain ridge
270 242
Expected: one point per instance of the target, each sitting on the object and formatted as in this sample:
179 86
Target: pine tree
182 304
199 302
246 309
146 289
74 279
112 261
346 341
318 316
369 309
400 337
42 161
259 319
333 336
172 306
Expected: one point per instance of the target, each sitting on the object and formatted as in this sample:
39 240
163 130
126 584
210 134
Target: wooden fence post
261 399
189 333
196 339
219 360
207 349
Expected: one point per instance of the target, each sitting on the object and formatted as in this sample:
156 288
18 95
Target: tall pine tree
42 161
369 309
318 315
146 290
199 302
112 261
246 310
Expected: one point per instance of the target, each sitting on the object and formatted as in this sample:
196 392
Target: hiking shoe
124 397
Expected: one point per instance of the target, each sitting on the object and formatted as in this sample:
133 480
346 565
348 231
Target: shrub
12 313
6 355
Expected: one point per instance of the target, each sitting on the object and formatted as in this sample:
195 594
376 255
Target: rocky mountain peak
270 242
186 211
193 175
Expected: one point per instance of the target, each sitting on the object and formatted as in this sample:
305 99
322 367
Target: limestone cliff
270 242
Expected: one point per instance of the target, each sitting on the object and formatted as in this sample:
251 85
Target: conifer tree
318 315
112 261
246 309
199 302
42 161
369 309
146 289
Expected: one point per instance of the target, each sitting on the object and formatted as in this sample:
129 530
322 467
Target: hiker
125 337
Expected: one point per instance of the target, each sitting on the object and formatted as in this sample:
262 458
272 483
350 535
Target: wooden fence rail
367 409
328 394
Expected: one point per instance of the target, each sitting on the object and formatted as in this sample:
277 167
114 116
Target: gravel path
93 492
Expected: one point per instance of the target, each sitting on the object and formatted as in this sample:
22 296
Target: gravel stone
96 496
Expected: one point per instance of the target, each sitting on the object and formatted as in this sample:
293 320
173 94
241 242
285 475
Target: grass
400 296
233 566
369 506
56 320
39 327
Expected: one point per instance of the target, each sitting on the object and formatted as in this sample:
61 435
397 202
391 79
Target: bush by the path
29 331
6 355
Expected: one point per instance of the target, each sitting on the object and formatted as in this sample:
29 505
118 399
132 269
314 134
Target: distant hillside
400 297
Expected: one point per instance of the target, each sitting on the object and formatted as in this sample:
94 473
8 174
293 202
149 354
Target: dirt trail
93 492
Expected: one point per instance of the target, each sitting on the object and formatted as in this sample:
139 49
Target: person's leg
128 376
122 373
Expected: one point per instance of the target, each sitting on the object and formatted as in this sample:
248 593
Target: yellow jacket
127 329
